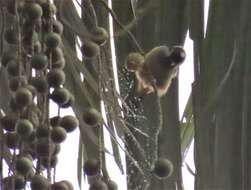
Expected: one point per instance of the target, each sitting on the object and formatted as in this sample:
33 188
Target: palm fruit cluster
34 63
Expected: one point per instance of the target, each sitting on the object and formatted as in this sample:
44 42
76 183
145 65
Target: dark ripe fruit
98 185
52 40
100 36
33 11
39 61
8 122
58 134
24 127
59 186
60 96
42 131
163 168
69 123
178 54
45 161
91 116
69 103
40 84
7 56
23 97
57 27
11 140
39 182
10 36
17 81
54 121
91 167
18 180
55 78
90 49
43 148
112 185
13 68
23 165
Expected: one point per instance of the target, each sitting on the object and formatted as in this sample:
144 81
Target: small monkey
156 69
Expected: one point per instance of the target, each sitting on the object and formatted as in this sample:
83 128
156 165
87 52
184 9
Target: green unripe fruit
40 84
98 185
23 97
90 49
16 82
13 68
8 122
100 36
39 182
163 168
10 36
33 10
52 40
58 134
91 117
112 185
11 140
55 78
60 96
69 123
39 61
57 27
91 167
7 56
23 165
24 127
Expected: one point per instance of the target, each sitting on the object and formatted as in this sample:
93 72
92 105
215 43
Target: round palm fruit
178 54
100 36
49 9
68 184
37 47
56 150
39 83
163 168
56 54
58 134
57 27
33 10
91 167
24 127
19 182
45 161
44 148
17 81
91 116
52 40
56 77
112 185
10 36
23 165
11 140
32 89
23 97
42 131
13 67
39 182
59 186
8 122
69 123
54 121
60 96
60 64
90 50
39 61
69 103
98 185
8 56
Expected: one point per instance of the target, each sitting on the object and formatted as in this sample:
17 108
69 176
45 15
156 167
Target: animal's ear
178 54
